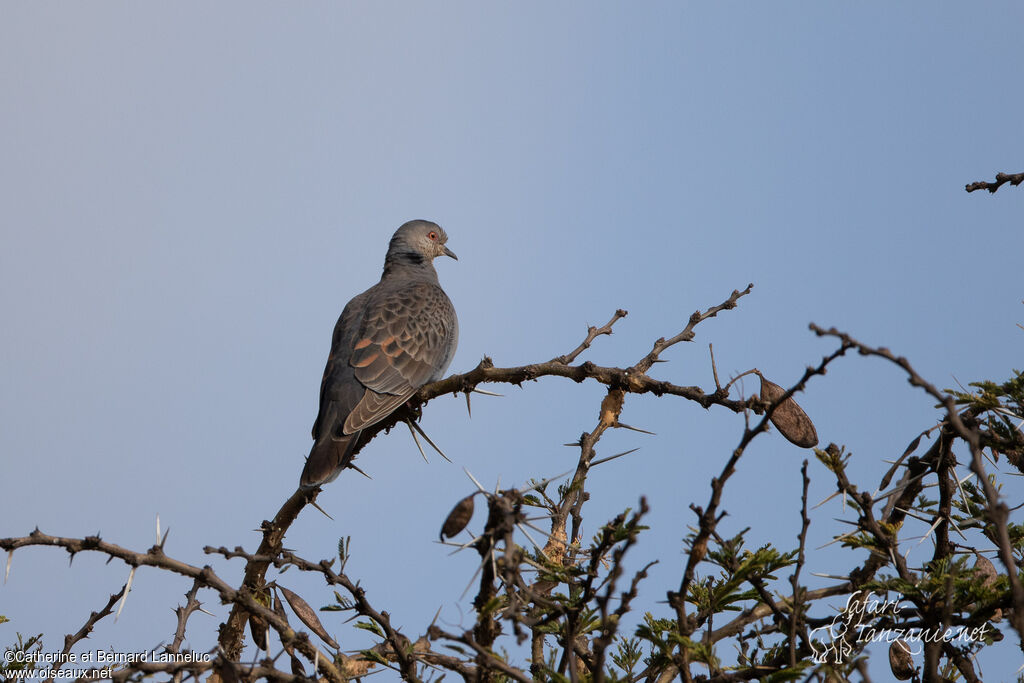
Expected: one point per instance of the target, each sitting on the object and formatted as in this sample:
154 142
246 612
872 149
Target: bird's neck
409 266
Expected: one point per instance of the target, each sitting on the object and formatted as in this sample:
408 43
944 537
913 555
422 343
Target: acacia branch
94 617
631 380
155 557
996 510
1001 179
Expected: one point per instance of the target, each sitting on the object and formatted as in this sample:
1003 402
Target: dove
390 340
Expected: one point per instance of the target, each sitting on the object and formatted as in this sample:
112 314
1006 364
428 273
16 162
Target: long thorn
416 441
127 589
931 529
436 615
635 429
473 578
912 514
612 457
7 571
826 500
837 539
541 484
322 511
539 549
469 408
477 390
356 468
424 435
896 489
478 484
460 546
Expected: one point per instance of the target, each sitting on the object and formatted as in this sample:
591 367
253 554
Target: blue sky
189 194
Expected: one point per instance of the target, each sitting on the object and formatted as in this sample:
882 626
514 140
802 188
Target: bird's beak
449 252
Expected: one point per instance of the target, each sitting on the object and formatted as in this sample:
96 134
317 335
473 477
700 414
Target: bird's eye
432 236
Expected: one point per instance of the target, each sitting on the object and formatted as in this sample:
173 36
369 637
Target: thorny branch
568 592
964 426
1001 178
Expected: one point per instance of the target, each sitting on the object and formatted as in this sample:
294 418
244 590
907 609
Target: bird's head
418 241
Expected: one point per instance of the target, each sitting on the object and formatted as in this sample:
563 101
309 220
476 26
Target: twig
94 617
1001 178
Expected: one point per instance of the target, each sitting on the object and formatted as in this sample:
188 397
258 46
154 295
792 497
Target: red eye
433 236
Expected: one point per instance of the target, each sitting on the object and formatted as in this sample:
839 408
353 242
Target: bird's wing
406 338
340 391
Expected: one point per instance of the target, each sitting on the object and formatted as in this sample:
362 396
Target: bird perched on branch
389 341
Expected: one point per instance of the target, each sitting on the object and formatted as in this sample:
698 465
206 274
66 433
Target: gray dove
389 341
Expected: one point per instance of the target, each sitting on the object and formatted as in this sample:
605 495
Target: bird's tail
328 457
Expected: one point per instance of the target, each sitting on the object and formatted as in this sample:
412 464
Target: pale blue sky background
189 194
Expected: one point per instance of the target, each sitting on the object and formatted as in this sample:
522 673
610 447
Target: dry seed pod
458 518
226 670
304 612
279 611
258 629
986 570
789 418
900 661
297 668
988 574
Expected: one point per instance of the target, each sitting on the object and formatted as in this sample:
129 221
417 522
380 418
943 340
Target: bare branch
1001 178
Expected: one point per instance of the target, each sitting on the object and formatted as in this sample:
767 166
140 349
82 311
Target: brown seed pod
304 612
297 668
279 611
258 629
986 571
458 518
900 661
789 418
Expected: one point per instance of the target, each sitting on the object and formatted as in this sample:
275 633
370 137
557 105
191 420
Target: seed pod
900 661
304 612
258 629
279 611
226 670
297 668
986 571
789 418
458 518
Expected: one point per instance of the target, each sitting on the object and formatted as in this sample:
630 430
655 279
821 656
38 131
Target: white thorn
542 484
408 423
472 579
539 549
322 511
7 571
478 484
826 500
837 539
460 547
931 530
612 457
127 589
429 440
